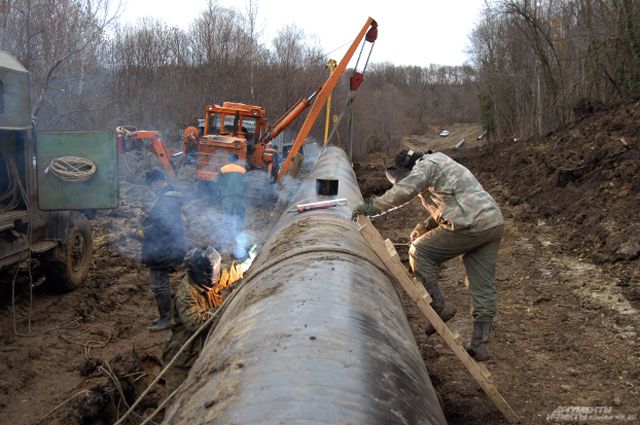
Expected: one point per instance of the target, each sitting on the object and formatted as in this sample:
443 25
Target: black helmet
203 265
403 163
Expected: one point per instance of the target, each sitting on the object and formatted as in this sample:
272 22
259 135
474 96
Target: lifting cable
354 83
10 197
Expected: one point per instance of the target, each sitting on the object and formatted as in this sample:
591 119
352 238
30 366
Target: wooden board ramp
389 257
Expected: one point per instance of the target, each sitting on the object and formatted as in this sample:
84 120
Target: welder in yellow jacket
197 298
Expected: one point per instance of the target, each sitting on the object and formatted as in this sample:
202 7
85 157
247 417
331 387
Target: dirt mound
585 179
371 177
109 388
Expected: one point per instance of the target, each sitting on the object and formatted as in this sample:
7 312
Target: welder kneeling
197 298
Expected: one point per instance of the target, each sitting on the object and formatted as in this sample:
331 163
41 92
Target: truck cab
55 240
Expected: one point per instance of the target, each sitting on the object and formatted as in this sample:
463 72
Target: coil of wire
72 168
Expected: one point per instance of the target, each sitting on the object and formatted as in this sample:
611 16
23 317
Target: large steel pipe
316 333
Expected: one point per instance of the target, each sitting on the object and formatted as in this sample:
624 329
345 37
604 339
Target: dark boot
164 308
445 310
478 348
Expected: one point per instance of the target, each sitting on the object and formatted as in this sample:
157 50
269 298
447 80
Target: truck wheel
77 254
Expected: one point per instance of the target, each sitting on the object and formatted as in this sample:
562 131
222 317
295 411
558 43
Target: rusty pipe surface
316 333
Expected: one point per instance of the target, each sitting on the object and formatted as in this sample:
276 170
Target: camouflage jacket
451 194
192 307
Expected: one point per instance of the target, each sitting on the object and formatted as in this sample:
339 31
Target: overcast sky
410 32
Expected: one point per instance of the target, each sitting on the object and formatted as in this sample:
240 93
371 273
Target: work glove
362 209
251 254
418 231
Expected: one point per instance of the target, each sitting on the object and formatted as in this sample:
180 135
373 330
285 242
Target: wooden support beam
389 256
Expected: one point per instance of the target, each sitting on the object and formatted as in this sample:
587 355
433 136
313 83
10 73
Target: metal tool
321 204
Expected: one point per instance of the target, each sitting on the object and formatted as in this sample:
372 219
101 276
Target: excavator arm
370 30
285 120
129 139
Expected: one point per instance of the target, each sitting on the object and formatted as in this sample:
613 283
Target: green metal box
99 191
15 110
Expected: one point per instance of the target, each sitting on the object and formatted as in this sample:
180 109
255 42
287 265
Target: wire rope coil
72 168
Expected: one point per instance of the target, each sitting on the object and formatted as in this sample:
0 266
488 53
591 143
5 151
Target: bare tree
537 59
52 38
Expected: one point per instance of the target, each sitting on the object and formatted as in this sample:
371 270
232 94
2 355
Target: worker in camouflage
197 298
463 220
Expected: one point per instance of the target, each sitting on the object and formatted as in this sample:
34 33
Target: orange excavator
130 138
243 130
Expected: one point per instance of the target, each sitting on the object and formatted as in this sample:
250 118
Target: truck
44 207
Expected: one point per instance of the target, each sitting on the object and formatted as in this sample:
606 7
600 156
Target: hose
11 199
10 196
71 168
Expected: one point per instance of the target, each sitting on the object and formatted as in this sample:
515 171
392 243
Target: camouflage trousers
479 253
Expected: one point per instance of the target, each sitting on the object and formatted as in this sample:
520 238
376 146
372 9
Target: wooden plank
456 336
484 370
386 253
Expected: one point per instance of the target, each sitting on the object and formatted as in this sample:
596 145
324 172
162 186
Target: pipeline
316 333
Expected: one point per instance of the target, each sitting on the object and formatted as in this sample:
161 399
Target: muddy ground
568 293
81 357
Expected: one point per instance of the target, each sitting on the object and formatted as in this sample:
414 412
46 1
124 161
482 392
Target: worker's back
454 197
233 181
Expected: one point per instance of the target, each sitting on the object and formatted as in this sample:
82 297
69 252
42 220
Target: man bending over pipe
464 220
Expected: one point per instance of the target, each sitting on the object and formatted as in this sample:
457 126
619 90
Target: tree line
534 65
540 63
91 72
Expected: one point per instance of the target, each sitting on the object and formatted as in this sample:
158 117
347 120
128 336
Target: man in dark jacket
463 220
163 246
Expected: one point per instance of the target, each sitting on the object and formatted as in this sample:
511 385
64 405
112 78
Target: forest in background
543 63
90 72
532 65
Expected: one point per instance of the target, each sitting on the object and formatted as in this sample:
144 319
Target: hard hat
204 266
